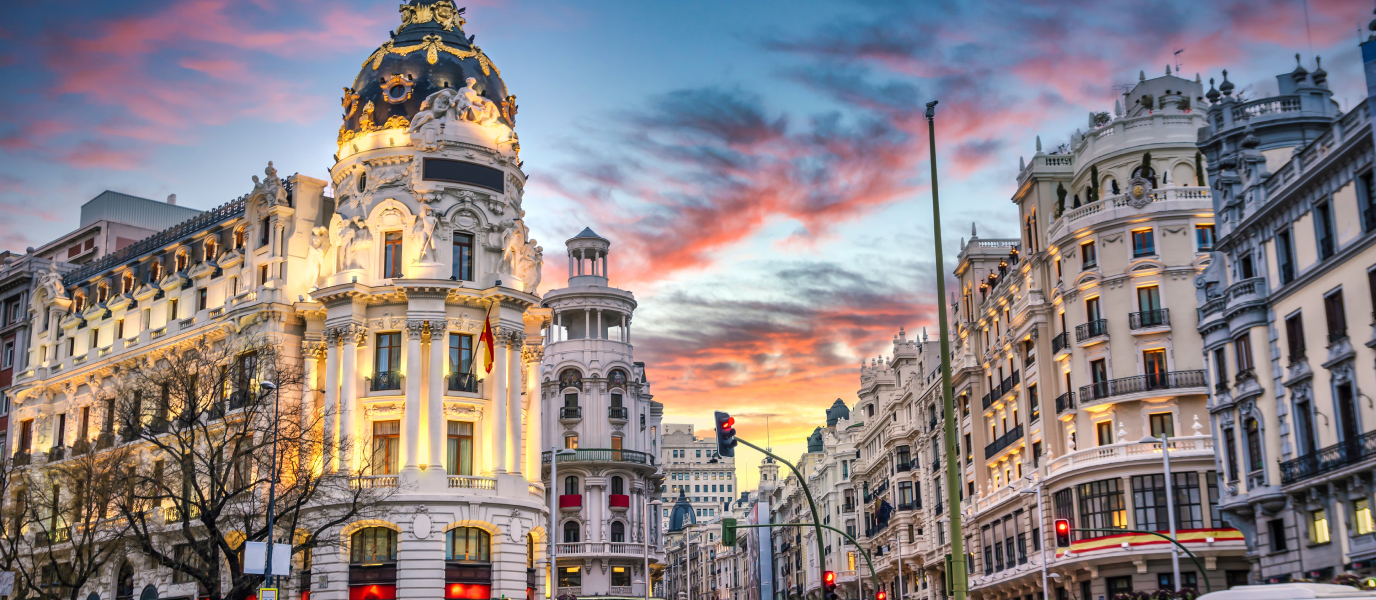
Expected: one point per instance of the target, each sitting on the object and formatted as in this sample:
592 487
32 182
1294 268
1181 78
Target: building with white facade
598 408
691 465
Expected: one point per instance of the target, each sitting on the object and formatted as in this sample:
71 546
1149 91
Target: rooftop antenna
768 445
1177 59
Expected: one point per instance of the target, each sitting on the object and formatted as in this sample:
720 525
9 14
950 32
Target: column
534 412
560 330
355 336
499 401
604 264
513 364
580 261
599 325
413 381
331 413
623 328
439 349
313 351
587 324
571 272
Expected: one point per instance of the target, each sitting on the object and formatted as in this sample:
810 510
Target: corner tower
597 401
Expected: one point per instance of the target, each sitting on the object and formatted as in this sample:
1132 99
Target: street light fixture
1041 519
1164 440
554 454
270 387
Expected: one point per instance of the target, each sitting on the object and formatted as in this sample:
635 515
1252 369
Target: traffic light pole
874 578
960 582
1198 565
816 518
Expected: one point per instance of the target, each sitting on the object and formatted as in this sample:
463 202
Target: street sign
267 594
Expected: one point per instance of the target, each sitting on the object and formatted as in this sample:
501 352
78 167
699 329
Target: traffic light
728 531
1062 533
829 584
726 435
881 596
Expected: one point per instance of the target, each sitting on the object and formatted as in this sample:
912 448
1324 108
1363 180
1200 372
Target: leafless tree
205 428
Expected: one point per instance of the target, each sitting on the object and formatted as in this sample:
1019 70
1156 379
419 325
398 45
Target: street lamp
554 454
656 503
1041 520
1164 440
270 387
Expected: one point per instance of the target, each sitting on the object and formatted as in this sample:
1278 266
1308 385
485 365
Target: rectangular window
1103 431
386 447
1323 226
460 448
1149 302
1204 237
1337 318
1101 505
264 232
1033 403
1143 243
1058 268
25 436
172 310
1118 585
388 358
1245 268
1242 350
1285 256
1294 335
1215 515
61 438
202 295
1154 367
1162 425
83 431
1366 201
263 275
391 255
1088 257
1318 526
8 360
1361 511
463 256
460 353
1189 509
1275 529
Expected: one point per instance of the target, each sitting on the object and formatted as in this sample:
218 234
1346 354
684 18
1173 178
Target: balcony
907 506
1004 441
604 455
1328 459
619 413
618 501
373 481
57 536
1060 342
1091 330
469 482
1149 319
1181 447
384 381
1142 383
569 413
570 502
1065 402
463 382
848 507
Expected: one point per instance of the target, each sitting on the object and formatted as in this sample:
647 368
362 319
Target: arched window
617 379
212 248
79 301
530 551
182 259
618 531
618 486
570 486
239 236
571 533
102 292
126 282
373 545
124 584
155 272
468 544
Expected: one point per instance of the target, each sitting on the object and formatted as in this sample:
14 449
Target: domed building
430 369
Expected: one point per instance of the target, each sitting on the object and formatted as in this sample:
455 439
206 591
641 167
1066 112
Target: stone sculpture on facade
423 232
317 254
269 191
354 242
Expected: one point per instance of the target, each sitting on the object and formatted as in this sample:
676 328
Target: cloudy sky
761 167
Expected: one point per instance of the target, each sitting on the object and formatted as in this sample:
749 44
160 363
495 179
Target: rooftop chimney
172 199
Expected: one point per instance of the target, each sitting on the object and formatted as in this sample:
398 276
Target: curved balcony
1151 382
1181 447
603 455
596 548
618 413
570 501
1149 319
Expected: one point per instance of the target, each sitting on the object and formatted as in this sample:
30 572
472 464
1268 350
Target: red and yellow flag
487 342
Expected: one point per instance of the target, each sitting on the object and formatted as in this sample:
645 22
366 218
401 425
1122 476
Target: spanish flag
487 344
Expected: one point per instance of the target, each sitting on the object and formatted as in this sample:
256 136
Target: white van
1290 591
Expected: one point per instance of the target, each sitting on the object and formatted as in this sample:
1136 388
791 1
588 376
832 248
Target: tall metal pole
959 578
898 541
1041 522
553 519
1170 508
272 481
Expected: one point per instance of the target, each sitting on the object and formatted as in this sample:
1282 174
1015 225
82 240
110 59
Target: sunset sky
760 167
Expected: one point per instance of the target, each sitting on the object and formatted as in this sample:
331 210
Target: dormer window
126 282
181 260
79 301
239 236
212 248
103 293
155 271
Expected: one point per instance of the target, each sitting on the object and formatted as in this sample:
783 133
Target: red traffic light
1062 526
829 578
1062 533
881 596
730 423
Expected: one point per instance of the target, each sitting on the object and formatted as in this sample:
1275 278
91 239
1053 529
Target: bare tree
61 528
206 428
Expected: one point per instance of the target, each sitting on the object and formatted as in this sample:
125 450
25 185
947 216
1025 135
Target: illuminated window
181 260
373 545
468 544
386 447
1362 510
1318 526
460 448
391 255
